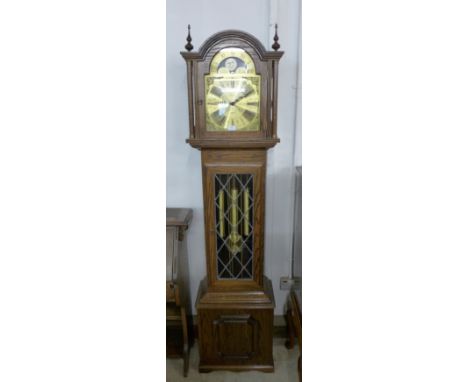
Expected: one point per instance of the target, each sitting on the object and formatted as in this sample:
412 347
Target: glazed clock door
232 104
234 217
232 94
232 89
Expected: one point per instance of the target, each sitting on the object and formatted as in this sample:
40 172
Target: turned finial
276 46
189 46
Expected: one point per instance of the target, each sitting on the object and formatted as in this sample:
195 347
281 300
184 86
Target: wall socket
286 283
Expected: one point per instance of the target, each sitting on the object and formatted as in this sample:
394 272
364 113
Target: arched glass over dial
232 92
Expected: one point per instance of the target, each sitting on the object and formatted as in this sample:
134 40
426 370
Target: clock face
232 92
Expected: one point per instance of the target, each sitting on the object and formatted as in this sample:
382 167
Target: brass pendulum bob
234 238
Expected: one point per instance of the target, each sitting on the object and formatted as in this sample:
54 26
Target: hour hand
241 97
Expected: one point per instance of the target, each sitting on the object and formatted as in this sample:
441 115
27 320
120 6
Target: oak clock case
232 94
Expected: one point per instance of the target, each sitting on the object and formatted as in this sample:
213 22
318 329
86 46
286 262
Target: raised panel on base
238 339
242 327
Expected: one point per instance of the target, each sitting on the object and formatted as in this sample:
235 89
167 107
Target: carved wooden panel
235 339
244 328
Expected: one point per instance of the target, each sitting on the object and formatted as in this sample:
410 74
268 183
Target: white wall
183 166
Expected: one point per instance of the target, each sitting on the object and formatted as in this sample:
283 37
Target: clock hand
227 119
233 103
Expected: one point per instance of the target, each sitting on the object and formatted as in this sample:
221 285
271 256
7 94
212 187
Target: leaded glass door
234 226
234 218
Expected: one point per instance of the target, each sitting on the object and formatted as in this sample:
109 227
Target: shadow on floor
285 368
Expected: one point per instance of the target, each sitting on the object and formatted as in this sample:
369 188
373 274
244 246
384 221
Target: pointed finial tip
276 46
189 46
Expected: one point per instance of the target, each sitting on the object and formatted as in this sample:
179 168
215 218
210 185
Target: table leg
290 328
186 345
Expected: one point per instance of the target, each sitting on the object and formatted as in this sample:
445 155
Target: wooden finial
276 46
189 46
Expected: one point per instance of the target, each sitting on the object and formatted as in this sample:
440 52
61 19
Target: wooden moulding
238 144
236 299
180 217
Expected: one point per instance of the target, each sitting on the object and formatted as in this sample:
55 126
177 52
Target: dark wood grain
178 302
235 330
178 217
294 323
232 162
266 64
235 316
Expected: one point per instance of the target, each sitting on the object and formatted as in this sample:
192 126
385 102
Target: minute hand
241 97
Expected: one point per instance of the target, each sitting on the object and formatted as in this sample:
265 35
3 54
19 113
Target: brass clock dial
232 92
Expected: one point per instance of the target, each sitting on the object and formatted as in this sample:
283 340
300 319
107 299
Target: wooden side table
294 304
178 301
294 323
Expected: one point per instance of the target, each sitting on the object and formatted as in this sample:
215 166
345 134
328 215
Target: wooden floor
285 368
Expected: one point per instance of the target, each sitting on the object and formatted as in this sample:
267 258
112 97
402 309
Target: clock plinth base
233 333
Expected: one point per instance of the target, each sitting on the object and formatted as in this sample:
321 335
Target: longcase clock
232 93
